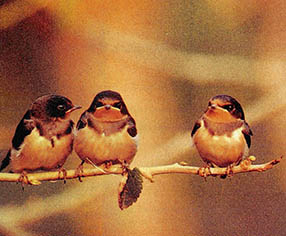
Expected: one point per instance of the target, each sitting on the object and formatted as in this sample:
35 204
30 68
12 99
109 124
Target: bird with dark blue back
222 136
44 137
106 132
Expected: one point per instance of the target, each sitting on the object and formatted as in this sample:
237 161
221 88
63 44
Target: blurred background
166 58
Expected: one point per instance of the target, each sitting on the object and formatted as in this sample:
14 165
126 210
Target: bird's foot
124 165
79 171
204 171
62 170
228 172
23 179
107 165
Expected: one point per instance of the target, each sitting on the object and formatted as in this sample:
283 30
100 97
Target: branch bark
148 172
245 166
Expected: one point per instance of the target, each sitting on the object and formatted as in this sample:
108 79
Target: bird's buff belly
38 152
221 150
99 148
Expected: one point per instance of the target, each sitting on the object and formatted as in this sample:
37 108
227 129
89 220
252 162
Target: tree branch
148 172
180 168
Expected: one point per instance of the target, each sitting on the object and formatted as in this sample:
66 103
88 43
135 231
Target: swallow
44 137
106 133
222 136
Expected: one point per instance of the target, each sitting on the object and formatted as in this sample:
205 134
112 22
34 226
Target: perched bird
44 137
221 135
106 132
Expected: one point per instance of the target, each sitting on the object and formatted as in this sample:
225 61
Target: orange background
166 58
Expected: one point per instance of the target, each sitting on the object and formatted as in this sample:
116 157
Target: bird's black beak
73 108
107 107
212 106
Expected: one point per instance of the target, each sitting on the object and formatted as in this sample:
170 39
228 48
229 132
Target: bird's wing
5 161
132 131
82 122
247 134
23 129
196 127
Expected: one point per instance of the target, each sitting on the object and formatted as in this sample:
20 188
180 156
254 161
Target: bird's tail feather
5 161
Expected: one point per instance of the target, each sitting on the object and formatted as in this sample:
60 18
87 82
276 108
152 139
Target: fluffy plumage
44 137
222 136
106 132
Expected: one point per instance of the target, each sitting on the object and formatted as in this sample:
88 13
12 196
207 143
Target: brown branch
148 172
180 168
36 178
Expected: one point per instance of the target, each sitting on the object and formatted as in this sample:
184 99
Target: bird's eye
117 105
209 104
98 104
228 107
60 107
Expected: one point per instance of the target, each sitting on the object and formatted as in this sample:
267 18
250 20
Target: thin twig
17 218
148 172
36 178
245 166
